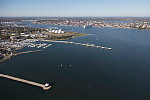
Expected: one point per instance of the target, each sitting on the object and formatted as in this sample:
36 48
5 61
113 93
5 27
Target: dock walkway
26 81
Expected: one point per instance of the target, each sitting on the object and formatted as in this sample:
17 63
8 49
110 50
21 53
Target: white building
59 31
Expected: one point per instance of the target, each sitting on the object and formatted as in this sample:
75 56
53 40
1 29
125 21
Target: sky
67 8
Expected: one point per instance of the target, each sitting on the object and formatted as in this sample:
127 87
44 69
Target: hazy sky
74 7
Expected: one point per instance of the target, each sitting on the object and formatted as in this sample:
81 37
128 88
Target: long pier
16 54
28 52
88 45
26 81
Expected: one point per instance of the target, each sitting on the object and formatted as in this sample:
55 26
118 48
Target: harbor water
84 73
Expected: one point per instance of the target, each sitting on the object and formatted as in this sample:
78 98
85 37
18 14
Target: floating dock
88 45
43 86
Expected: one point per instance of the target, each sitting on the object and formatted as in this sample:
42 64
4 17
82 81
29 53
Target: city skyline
69 8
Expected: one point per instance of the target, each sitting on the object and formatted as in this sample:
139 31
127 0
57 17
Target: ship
87 26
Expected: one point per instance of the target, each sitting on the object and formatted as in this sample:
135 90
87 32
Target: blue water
94 74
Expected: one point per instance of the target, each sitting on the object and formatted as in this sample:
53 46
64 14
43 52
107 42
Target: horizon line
74 16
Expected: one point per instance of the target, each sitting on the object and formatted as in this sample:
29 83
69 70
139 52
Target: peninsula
13 39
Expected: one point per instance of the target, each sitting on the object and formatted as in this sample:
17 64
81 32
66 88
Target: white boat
46 84
109 48
87 26
98 46
102 47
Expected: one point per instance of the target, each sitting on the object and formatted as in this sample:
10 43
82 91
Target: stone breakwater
26 81
88 45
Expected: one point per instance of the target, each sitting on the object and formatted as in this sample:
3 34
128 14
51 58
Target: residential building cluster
95 22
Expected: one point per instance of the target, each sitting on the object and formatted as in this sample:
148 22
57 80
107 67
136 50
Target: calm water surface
87 73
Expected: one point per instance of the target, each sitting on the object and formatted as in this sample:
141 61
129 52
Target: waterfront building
59 31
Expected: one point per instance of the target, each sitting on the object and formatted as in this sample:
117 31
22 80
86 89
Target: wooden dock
26 81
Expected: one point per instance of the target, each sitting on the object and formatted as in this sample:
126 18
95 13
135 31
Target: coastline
17 54
72 34
67 36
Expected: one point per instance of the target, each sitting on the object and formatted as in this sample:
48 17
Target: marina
79 70
30 43
43 86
